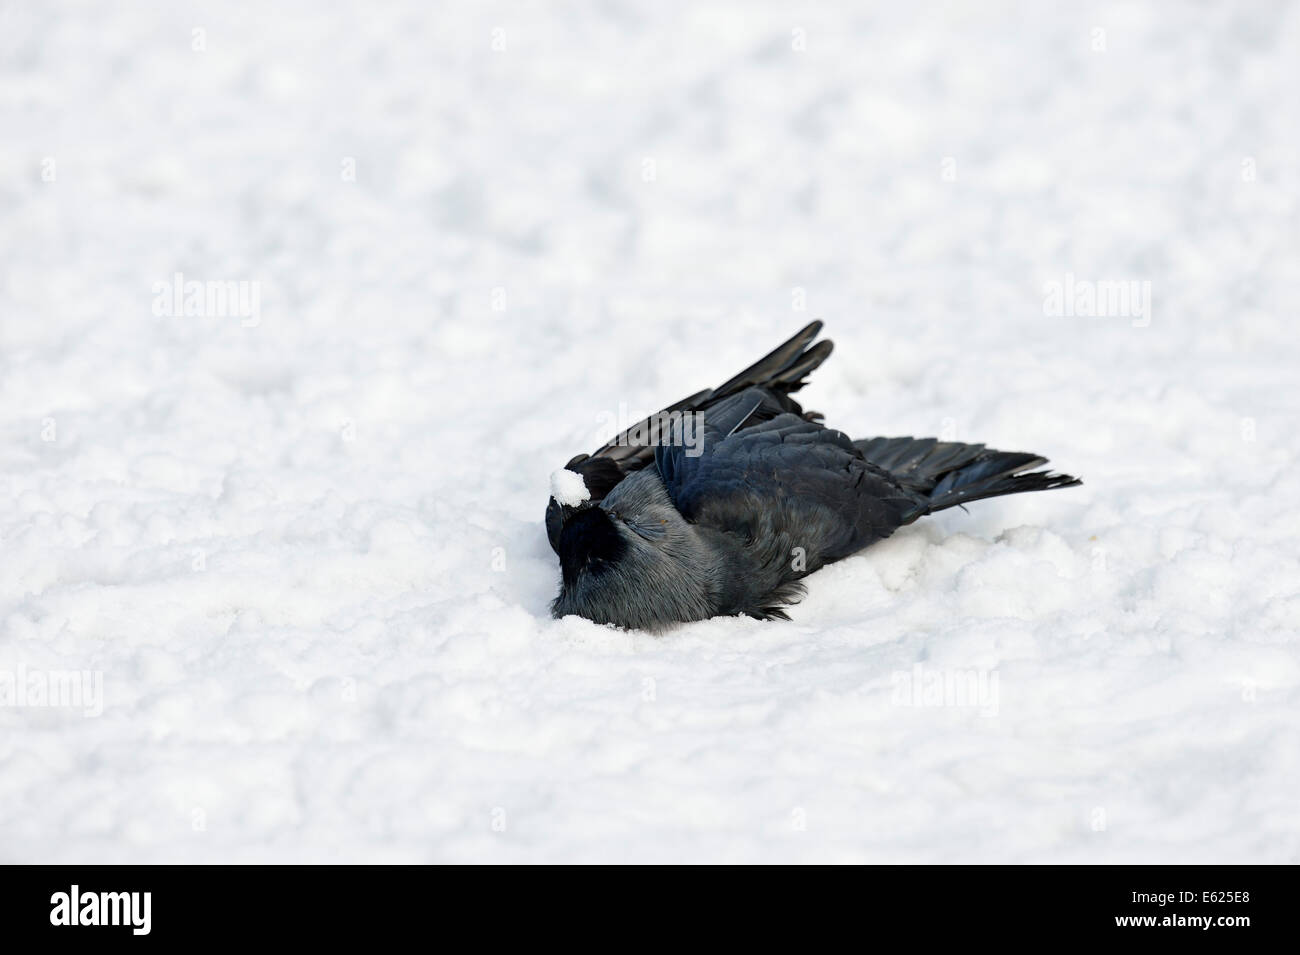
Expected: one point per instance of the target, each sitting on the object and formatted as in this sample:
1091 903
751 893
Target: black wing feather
788 481
780 372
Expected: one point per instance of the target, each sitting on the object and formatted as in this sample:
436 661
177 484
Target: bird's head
632 560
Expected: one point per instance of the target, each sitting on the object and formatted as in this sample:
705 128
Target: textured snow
301 544
568 487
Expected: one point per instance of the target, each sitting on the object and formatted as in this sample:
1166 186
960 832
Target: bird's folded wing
781 483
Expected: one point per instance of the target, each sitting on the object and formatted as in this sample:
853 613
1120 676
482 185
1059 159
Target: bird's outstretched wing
782 482
781 372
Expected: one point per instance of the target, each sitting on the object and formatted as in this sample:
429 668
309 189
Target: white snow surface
304 549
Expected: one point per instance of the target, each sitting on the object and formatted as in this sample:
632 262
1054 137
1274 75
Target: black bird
723 502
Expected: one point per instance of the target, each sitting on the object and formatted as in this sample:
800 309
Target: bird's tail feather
948 473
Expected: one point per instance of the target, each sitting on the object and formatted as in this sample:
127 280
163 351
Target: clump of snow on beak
569 488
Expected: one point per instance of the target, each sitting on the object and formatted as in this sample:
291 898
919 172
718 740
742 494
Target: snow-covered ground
298 544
